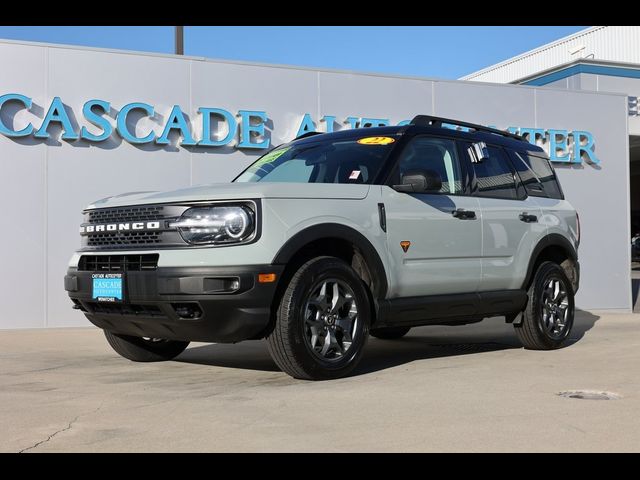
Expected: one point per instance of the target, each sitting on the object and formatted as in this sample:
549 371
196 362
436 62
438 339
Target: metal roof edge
529 53
538 87
572 63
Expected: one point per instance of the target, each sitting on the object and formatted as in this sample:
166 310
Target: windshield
353 160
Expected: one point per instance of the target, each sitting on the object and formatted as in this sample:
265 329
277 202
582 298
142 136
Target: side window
495 176
537 175
436 154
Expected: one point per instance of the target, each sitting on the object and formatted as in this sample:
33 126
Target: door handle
528 218
463 214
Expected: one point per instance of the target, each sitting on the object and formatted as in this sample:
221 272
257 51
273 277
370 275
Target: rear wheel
548 317
322 323
390 333
143 349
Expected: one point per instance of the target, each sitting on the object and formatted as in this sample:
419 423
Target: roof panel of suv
472 136
353 133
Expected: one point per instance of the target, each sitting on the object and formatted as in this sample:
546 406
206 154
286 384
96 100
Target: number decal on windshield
376 141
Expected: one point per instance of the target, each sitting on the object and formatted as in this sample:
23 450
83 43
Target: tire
390 333
310 337
139 349
546 326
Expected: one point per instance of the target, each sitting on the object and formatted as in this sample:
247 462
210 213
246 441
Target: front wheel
139 349
548 317
322 322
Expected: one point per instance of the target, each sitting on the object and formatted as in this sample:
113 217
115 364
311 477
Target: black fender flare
342 232
550 240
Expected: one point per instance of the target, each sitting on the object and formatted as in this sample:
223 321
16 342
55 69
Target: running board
434 309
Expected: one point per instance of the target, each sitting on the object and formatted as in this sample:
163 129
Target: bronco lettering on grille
119 227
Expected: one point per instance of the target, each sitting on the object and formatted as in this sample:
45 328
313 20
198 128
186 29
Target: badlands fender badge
405 244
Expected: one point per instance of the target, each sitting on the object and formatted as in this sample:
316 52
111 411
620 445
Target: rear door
432 251
541 183
510 221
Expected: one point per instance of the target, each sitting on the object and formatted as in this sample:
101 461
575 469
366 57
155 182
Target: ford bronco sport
332 237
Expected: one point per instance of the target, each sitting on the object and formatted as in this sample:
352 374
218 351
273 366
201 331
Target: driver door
444 252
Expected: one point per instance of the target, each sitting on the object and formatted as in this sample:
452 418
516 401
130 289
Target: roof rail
308 134
431 121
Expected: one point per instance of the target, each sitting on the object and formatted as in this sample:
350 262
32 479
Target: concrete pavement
469 388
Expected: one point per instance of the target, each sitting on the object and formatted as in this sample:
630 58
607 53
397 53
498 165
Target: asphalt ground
468 388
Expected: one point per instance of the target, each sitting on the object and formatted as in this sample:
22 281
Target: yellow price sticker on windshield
376 141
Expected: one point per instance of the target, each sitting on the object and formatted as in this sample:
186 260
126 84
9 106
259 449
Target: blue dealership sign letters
247 129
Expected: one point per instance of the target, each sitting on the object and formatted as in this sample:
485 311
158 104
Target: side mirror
419 181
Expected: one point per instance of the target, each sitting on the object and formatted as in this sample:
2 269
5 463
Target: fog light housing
187 311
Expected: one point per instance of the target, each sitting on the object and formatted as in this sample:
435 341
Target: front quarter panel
298 215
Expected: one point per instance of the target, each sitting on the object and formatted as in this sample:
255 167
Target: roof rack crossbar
431 121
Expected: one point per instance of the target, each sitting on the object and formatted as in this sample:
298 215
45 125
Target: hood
238 191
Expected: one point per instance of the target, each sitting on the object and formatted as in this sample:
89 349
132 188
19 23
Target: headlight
216 224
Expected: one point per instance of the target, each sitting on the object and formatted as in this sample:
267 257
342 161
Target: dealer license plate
107 287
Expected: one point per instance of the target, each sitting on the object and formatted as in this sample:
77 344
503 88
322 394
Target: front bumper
155 302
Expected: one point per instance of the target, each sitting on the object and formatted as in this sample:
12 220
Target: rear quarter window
537 175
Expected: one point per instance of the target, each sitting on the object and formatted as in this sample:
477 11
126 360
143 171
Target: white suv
332 237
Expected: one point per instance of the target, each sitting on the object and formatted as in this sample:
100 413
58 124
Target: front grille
126 214
125 309
114 236
118 263
116 239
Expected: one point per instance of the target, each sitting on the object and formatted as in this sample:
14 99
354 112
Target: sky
440 52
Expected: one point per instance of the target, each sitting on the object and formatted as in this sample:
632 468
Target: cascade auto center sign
245 129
